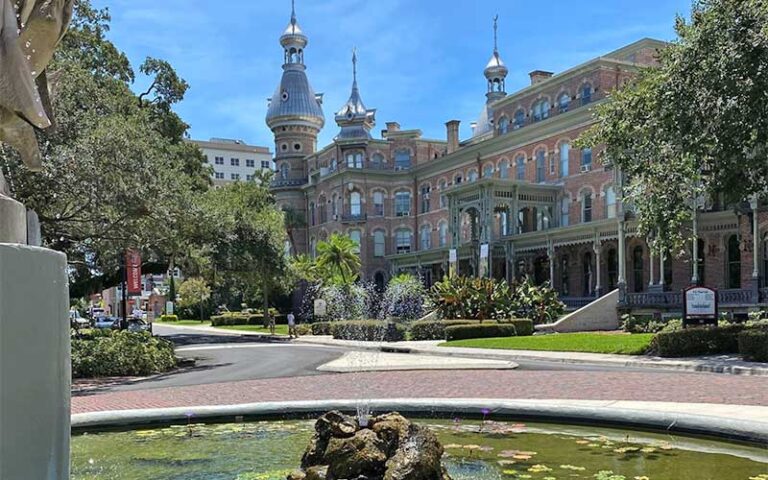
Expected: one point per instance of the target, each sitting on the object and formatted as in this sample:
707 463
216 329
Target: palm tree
339 256
293 221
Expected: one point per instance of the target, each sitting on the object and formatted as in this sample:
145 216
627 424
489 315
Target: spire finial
496 33
354 64
293 12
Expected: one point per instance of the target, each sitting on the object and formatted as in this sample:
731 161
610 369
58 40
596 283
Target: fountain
34 329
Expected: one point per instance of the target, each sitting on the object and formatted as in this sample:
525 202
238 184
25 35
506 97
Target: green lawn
565 342
279 329
187 323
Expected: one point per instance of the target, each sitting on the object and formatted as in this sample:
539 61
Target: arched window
355 204
402 241
402 159
472 176
734 263
520 167
457 179
519 119
503 222
355 160
356 237
586 94
425 190
586 160
443 231
637 269
377 160
379 243
503 125
334 164
540 166
488 171
443 198
378 203
312 213
565 279
565 157
586 208
564 102
284 171
402 204
541 110
425 236
334 205
504 169
613 269
322 207
610 202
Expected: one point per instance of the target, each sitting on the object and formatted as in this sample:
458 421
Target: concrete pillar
652 261
622 280
598 253
661 268
551 256
34 364
13 221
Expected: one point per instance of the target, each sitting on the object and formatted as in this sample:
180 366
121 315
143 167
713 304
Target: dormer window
519 119
586 94
541 110
403 159
503 126
564 102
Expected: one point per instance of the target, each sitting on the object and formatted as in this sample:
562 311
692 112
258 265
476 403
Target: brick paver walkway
639 386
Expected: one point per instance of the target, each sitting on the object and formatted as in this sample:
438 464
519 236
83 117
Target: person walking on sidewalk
292 326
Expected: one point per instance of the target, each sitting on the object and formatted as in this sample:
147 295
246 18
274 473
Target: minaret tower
496 72
355 120
295 116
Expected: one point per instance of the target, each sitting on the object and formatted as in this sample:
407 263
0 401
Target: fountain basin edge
573 412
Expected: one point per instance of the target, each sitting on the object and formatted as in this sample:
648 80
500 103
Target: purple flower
485 411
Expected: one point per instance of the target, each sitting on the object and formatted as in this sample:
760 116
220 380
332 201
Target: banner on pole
133 271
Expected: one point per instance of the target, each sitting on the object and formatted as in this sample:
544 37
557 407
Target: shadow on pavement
185 339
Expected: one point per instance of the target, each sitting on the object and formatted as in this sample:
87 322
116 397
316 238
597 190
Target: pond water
475 450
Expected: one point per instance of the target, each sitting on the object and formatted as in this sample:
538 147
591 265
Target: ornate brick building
543 207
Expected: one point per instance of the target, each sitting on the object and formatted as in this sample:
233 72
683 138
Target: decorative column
622 234
598 252
551 256
755 282
661 268
516 212
651 261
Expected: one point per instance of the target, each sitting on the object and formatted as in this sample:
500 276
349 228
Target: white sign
700 302
169 308
484 250
321 308
453 255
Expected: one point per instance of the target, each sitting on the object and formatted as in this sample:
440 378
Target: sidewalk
725 364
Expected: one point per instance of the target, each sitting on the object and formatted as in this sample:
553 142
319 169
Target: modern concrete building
234 160
518 189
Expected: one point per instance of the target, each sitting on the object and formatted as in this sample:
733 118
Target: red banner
133 271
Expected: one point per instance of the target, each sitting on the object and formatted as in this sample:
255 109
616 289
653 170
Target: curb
569 412
631 361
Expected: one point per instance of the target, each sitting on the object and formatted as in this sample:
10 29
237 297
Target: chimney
452 128
538 76
393 127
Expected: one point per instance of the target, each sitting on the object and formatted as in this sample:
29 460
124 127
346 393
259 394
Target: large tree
697 124
117 172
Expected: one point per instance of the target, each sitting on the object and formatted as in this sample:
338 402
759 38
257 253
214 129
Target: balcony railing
556 110
288 182
729 297
354 217
574 303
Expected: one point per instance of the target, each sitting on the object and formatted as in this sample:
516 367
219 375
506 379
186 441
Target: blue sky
420 61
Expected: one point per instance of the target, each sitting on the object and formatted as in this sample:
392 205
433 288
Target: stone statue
30 30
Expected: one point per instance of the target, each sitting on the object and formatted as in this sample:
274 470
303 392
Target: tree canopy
697 124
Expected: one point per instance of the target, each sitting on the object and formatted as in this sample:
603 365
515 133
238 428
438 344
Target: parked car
76 321
106 323
138 325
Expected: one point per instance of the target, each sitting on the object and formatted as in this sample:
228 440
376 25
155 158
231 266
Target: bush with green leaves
480 330
231 319
697 341
121 354
368 331
168 318
404 298
643 324
485 298
434 329
321 328
523 326
753 344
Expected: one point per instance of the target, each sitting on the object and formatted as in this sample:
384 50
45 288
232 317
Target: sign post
453 259
321 308
699 306
484 259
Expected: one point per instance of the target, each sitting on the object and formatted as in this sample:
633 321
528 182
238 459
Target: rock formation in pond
390 447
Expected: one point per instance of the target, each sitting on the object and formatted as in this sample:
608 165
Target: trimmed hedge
321 328
523 326
483 330
368 331
693 342
245 319
168 318
434 330
753 344
121 354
